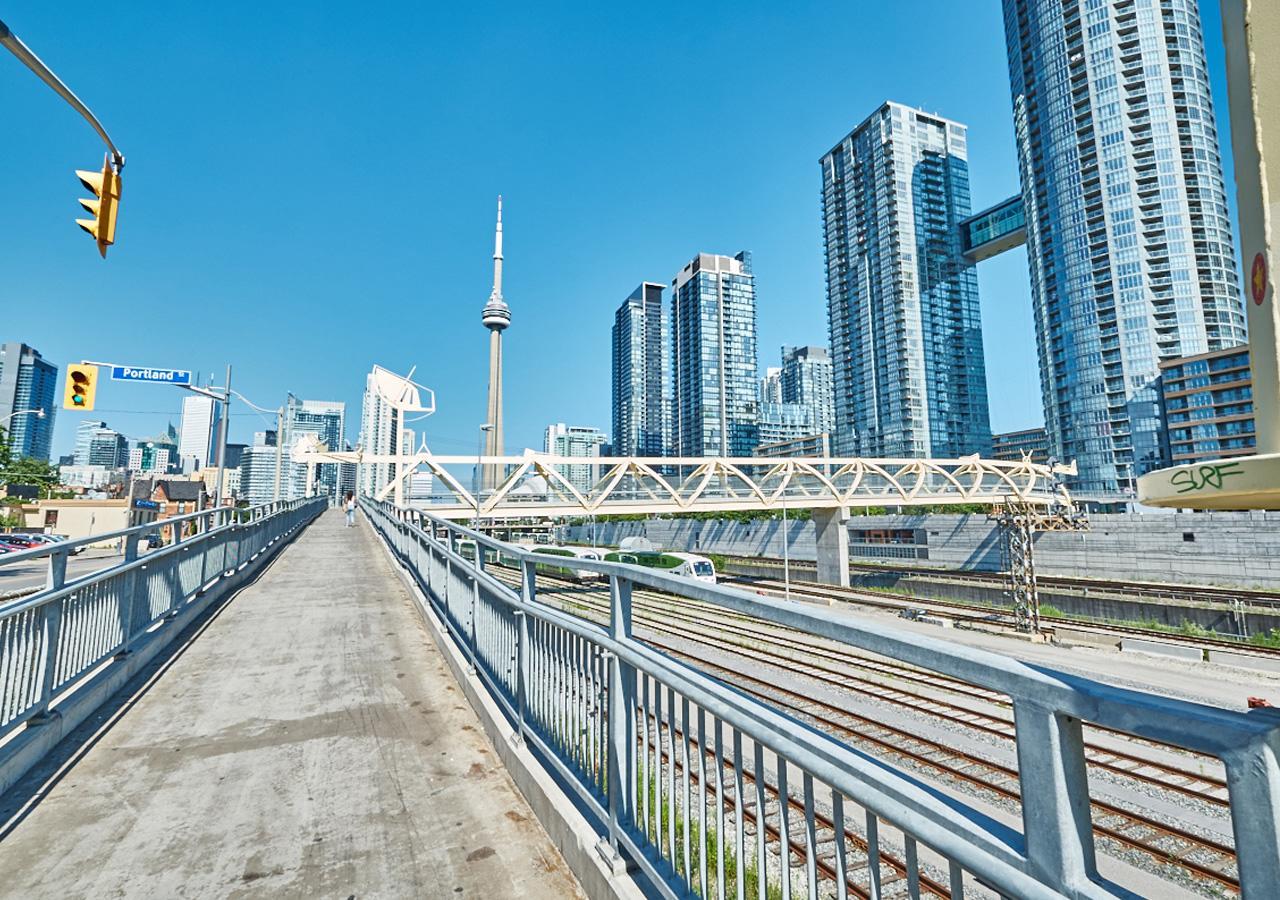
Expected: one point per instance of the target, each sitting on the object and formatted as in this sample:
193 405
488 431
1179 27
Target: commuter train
693 566
568 571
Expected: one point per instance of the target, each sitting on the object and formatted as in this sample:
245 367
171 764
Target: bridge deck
310 742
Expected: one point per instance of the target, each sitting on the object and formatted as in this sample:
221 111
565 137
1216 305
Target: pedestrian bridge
279 705
541 484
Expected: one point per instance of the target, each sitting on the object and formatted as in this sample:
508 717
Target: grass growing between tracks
704 845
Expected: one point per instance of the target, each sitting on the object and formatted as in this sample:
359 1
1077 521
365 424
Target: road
26 575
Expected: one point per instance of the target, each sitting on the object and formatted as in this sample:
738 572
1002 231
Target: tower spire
496 315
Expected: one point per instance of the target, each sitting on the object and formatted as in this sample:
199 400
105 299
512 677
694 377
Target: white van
693 566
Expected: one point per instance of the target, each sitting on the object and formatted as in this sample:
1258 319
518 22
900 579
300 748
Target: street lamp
479 479
38 413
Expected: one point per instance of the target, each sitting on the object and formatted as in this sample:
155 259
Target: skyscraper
642 374
575 440
326 419
713 325
496 317
805 379
197 441
84 436
909 378
1128 240
387 396
27 381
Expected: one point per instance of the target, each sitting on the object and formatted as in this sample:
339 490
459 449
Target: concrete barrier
1245 660
1161 648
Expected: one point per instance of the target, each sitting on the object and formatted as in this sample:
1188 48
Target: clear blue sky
310 188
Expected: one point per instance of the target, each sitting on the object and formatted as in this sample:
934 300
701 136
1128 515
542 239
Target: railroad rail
572 687
1263 599
975 614
680 622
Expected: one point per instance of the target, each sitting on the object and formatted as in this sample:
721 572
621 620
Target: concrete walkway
309 743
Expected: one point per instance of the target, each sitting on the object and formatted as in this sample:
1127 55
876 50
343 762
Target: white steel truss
535 483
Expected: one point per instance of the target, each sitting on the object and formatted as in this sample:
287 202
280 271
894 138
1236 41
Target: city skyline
777 184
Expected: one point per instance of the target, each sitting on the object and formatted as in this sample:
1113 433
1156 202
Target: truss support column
832 539
1018 528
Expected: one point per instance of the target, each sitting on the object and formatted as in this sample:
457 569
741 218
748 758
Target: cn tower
496 317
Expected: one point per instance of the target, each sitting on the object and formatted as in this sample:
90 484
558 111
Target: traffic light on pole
106 188
82 384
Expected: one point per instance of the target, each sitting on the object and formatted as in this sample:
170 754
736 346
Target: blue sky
310 190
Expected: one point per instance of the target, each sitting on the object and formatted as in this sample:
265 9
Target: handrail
54 640
226 513
1052 856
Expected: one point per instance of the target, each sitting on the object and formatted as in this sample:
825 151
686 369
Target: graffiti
1202 477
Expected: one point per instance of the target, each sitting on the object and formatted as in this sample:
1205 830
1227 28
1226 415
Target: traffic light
82 383
106 188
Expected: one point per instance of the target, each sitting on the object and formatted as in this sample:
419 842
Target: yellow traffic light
82 383
106 188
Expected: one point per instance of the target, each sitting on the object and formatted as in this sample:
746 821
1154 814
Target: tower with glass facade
805 379
642 374
28 381
326 420
713 329
908 374
1128 241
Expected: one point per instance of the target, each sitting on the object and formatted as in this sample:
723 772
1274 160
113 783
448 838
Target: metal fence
56 638
704 790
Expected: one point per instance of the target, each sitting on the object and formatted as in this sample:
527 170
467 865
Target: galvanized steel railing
710 792
53 639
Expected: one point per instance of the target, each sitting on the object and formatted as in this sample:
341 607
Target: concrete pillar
1250 29
832 539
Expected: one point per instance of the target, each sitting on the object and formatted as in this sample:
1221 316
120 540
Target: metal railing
708 791
54 639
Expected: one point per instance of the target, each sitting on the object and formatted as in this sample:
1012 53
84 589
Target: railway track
1268 599
970 613
1169 847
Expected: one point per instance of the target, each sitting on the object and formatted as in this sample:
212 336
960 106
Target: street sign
145 373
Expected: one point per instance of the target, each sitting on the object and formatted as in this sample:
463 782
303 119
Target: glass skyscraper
806 380
27 381
642 375
326 420
713 327
909 377
1128 240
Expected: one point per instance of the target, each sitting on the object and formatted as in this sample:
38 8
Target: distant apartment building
157 455
713 326
84 434
575 440
1128 236
257 472
1012 445
326 420
805 378
909 377
783 422
379 426
108 448
198 432
1207 401
771 385
27 382
811 446
642 391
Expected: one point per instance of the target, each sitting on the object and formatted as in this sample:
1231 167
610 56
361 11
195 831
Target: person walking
349 504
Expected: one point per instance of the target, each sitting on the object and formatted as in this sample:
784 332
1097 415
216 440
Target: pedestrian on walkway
349 504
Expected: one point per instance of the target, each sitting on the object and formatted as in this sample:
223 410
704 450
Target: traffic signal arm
105 186
82 385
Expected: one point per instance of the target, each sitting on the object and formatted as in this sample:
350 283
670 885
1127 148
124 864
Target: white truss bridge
540 484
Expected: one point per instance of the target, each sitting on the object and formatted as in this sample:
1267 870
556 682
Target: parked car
25 541
56 539
154 541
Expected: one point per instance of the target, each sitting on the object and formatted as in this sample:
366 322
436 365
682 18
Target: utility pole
222 437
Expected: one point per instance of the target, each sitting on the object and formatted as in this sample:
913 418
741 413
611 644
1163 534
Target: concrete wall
1239 549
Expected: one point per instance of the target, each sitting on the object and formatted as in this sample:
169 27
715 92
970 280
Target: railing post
129 596
1054 784
528 593
57 577
1253 786
622 717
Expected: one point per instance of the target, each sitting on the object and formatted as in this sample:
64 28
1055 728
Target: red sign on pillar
1258 279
